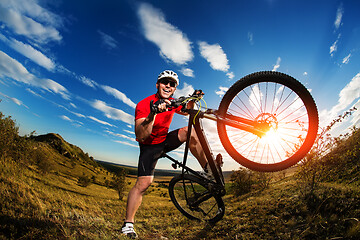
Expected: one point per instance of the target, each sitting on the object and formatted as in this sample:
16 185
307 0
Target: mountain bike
266 121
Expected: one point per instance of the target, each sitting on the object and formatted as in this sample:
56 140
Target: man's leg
195 146
135 196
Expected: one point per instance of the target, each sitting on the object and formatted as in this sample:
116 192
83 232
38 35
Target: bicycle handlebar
175 103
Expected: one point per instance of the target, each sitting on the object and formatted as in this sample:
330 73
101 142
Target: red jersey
161 123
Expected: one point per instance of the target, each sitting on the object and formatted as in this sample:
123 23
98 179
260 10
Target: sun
271 136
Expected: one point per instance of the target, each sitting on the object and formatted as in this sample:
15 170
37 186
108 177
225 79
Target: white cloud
113 113
346 59
32 9
11 68
230 75
215 55
121 136
349 94
185 91
66 118
277 65
73 105
100 121
333 47
128 144
14 100
29 52
221 91
109 90
128 131
28 18
173 44
89 82
34 93
74 122
119 95
107 40
339 15
251 38
75 113
187 72
356 115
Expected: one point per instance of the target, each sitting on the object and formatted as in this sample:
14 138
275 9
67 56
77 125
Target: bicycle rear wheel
281 103
192 198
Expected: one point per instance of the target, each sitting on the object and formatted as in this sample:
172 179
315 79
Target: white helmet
169 74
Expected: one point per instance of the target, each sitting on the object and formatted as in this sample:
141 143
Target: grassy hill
41 197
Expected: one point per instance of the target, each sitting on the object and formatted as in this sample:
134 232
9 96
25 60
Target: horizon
78 68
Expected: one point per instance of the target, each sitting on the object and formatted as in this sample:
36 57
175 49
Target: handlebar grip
154 107
174 103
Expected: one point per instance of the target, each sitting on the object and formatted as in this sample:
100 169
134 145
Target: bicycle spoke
273 101
239 114
251 99
249 112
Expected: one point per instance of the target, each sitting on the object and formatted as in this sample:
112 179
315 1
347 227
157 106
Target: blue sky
78 68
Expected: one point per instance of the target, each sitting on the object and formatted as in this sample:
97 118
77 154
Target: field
55 207
42 197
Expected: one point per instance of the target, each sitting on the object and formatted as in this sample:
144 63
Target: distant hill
53 154
131 170
64 148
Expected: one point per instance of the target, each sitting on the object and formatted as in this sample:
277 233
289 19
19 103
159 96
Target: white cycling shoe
128 230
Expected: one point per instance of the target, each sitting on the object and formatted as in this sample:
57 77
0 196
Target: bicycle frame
218 186
194 122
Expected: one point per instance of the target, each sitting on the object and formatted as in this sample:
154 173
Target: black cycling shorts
149 154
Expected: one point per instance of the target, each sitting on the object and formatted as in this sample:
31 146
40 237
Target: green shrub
12 146
245 181
118 182
41 159
84 181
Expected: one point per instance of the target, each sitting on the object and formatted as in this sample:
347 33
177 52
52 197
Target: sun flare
271 136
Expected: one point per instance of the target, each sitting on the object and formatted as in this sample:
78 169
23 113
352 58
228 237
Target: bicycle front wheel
192 198
279 102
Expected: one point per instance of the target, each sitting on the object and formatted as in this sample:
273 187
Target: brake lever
198 94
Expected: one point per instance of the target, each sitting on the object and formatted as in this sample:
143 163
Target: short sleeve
141 111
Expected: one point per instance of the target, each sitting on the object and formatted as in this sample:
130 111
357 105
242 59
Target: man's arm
144 126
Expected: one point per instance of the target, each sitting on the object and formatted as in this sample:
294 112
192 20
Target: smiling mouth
166 91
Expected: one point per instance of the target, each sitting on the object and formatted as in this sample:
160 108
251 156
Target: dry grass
37 206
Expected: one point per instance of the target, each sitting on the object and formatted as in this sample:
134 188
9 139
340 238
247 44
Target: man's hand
198 94
159 106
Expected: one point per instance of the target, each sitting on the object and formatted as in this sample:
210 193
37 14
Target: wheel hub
266 122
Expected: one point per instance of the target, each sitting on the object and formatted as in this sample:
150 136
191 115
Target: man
151 130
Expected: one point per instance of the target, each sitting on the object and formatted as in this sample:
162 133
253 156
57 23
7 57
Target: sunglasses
166 81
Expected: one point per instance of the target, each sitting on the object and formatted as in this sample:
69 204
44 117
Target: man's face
166 87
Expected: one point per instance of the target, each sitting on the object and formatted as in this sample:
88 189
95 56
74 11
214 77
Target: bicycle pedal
219 160
174 165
